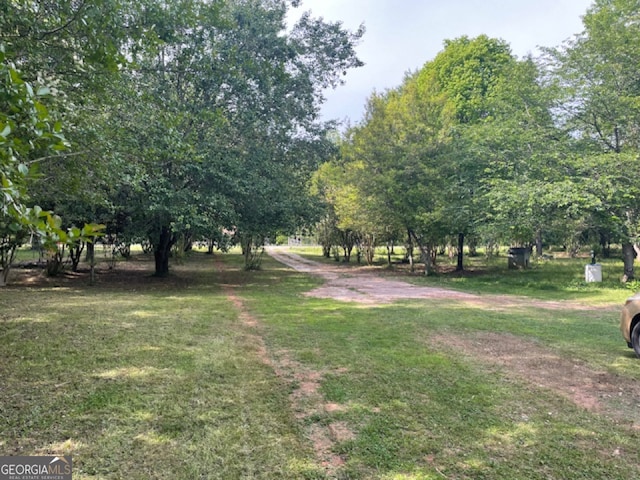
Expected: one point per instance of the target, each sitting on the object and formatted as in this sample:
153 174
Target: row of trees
163 120
480 146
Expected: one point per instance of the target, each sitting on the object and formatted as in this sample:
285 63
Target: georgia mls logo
35 468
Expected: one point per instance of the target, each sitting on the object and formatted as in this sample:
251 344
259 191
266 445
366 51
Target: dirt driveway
515 357
351 285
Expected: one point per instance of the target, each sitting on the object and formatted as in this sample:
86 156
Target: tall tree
530 179
226 125
596 71
468 72
418 165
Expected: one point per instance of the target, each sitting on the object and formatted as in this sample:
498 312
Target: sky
402 35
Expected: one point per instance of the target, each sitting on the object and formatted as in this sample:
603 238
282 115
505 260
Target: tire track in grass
598 391
305 398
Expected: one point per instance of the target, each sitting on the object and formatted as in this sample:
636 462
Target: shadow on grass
139 377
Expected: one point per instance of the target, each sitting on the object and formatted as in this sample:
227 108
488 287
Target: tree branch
60 155
69 22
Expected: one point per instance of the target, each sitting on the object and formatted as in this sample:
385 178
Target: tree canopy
479 145
180 118
170 122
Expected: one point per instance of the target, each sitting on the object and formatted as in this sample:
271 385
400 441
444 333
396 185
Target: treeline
160 122
480 147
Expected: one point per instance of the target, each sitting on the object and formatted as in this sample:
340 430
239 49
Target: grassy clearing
556 279
420 412
155 379
146 378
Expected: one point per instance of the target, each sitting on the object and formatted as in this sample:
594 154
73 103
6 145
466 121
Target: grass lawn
220 373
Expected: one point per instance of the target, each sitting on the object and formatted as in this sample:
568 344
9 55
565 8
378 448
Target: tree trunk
539 243
55 261
628 256
369 247
6 259
253 247
425 253
188 242
473 246
410 251
91 259
460 266
246 250
4 274
162 250
348 243
605 245
346 257
75 252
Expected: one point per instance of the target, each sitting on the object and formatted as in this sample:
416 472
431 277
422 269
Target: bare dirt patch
304 384
527 361
359 285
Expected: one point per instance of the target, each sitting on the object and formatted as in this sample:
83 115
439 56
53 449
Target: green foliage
222 136
480 144
181 118
467 71
597 77
598 93
27 133
411 168
28 136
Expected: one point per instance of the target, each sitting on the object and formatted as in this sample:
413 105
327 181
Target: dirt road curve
353 286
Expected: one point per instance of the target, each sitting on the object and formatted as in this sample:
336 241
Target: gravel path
341 284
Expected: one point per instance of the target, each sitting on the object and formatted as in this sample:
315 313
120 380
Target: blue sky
404 34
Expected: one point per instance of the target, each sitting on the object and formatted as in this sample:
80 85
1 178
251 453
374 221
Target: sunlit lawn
146 380
161 379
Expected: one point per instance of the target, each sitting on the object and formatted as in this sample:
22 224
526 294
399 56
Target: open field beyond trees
215 372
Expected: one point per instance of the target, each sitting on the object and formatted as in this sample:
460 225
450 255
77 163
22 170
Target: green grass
152 380
556 279
161 379
422 412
